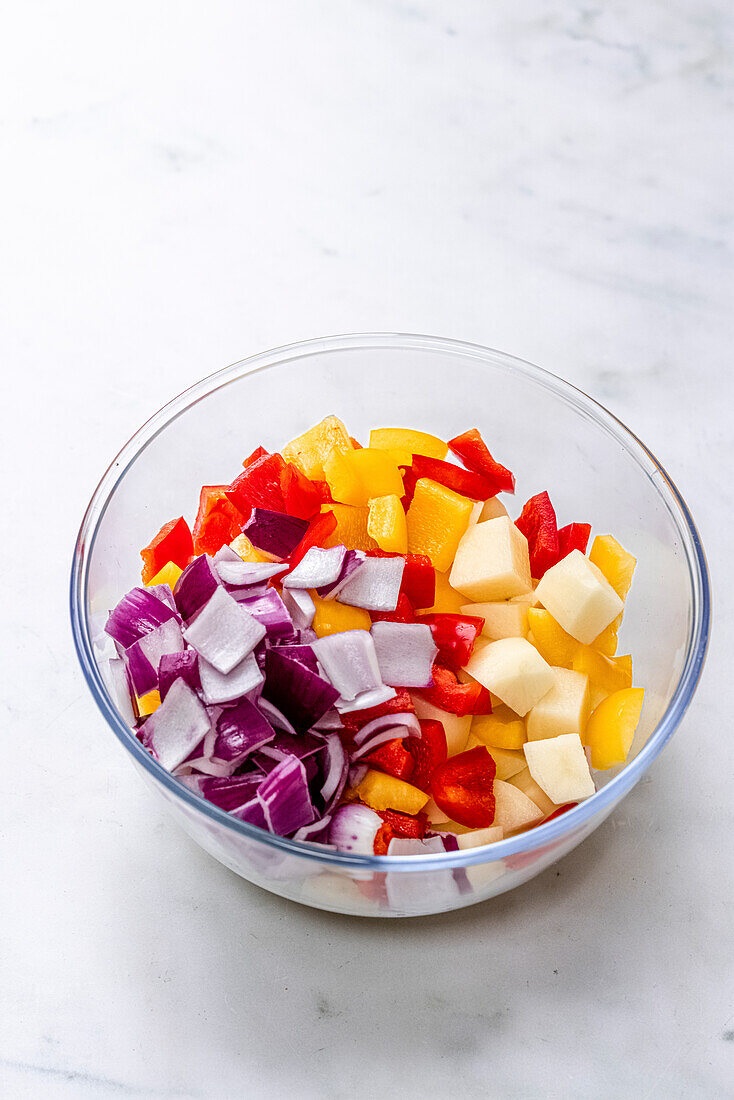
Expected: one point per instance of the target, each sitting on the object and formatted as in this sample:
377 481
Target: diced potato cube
309 451
525 783
492 508
434 813
503 618
437 518
612 726
579 597
513 671
508 762
455 726
476 838
563 709
560 768
492 561
615 563
513 809
501 729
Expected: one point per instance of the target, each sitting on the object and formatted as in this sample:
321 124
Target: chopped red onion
406 719
330 721
173 665
337 767
240 573
220 688
405 653
389 734
275 716
349 660
227 793
301 695
300 607
119 686
314 832
316 568
270 610
239 731
196 585
137 614
275 532
357 772
179 724
354 828
366 699
252 812
204 765
375 585
285 798
225 553
141 674
352 561
224 632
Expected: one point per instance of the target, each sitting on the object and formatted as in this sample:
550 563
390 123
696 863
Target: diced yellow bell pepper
606 642
437 519
242 546
309 451
169 574
608 673
355 478
447 599
143 705
386 524
616 563
351 527
502 729
384 792
611 728
550 639
332 617
407 439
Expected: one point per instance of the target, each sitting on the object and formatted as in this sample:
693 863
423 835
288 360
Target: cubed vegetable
579 597
437 518
309 451
386 523
492 562
513 671
611 728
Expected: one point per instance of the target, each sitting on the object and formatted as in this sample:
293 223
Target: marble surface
184 185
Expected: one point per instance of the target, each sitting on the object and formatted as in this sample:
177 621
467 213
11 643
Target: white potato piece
560 768
492 561
477 837
502 619
563 709
455 727
435 814
579 597
513 809
514 671
525 783
492 508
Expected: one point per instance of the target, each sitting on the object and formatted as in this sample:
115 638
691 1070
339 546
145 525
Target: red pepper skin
537 521
404 824
419 576
474 453
560 811
401 703
454 636
428 751
217 521
322 488
259 486
316 535
259 452
355 443
392 757
467 482
172 543
383 836
300 496
403 612
457 698
463 787
574 536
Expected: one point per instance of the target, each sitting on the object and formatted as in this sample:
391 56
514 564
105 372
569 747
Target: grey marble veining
184 185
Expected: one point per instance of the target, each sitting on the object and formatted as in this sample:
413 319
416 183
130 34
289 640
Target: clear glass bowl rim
554 830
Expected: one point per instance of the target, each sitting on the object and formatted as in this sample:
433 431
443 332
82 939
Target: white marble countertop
184 185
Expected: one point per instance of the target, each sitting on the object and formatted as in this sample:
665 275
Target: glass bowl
549 433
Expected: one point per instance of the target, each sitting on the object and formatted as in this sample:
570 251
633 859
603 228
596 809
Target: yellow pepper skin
144 705
384 792
333 617
502 729
611 728
247 551
447 599
351 527
616 563
309 451
358 476
550 639
386 524
406 439
437 519
608 673
169 574
606 642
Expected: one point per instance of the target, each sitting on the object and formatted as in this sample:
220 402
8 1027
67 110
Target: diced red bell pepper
383 836
322 488
259 486
172 543
574 536
404 824
467 482
259 452
403 612
392 757
301 497
454 636
318 532
463 787
217 521
560 811
428 751
419 576
474 453
457 698
401 703
537 521
355 443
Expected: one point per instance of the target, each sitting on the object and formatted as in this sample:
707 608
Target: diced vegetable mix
356 646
